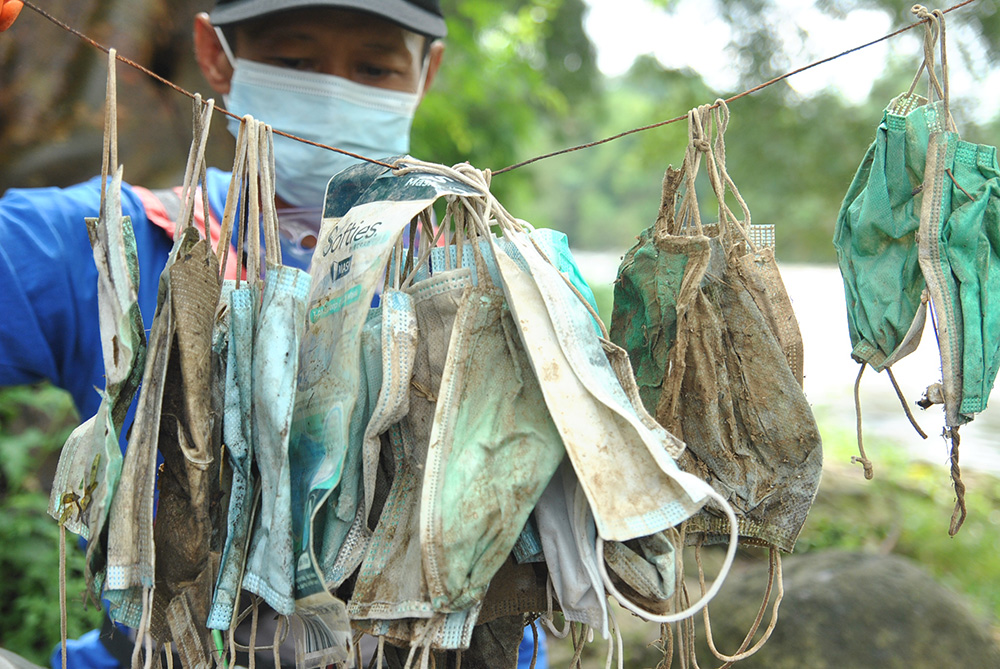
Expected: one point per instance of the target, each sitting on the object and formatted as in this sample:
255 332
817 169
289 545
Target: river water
817 295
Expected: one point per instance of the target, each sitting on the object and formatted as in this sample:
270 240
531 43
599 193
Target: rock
853 610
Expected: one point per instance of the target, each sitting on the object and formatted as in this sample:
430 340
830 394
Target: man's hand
9 9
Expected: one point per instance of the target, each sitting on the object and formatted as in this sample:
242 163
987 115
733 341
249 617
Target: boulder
856 610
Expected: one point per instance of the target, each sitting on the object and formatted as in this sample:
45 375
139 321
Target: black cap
420 16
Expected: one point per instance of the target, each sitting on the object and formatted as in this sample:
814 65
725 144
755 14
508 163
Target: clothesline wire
745 93
750 91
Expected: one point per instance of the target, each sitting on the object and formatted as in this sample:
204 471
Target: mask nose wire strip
750 91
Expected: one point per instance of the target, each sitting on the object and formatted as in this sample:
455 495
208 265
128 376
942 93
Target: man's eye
371 71
295 63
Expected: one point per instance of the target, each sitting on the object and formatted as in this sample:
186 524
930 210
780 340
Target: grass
34 424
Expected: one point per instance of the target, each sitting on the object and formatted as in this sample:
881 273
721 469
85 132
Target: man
283 54
346 73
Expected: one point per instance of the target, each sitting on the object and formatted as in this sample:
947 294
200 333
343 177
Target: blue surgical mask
369 121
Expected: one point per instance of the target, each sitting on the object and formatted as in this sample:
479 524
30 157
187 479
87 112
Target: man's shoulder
71 203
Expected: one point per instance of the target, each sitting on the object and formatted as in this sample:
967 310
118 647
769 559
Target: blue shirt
50 328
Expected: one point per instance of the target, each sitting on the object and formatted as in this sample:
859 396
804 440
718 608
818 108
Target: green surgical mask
391 583
959 254
876 236
493 449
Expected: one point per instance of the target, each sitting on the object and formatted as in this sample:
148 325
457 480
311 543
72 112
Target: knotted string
861 458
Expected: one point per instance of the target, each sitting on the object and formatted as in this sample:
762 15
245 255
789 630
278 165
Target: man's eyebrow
385 47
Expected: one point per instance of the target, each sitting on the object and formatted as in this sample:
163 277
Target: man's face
358 46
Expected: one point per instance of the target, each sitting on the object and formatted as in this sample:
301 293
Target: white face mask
369 121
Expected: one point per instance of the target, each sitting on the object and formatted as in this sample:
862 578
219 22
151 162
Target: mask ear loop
276 641
480 180
459 242
427 247
225 47
946 95
932 31
232 197
690 218
109 160
548 620
206 120
421 85
706 597
395 263
718 172
196 159
253 202
272 247
411 248
773 571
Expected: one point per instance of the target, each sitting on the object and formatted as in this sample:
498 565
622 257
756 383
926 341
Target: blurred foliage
34 423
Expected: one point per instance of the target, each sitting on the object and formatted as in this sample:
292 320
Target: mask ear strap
109 161
706 598
424 69
225 46
232 198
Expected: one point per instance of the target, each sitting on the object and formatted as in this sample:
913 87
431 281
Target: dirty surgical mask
369 121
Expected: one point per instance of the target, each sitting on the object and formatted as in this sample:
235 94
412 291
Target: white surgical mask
369 121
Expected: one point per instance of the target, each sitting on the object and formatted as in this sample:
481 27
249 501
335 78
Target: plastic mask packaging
342 523
365 212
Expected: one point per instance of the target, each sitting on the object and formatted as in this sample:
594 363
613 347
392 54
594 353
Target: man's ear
210 55
434 55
